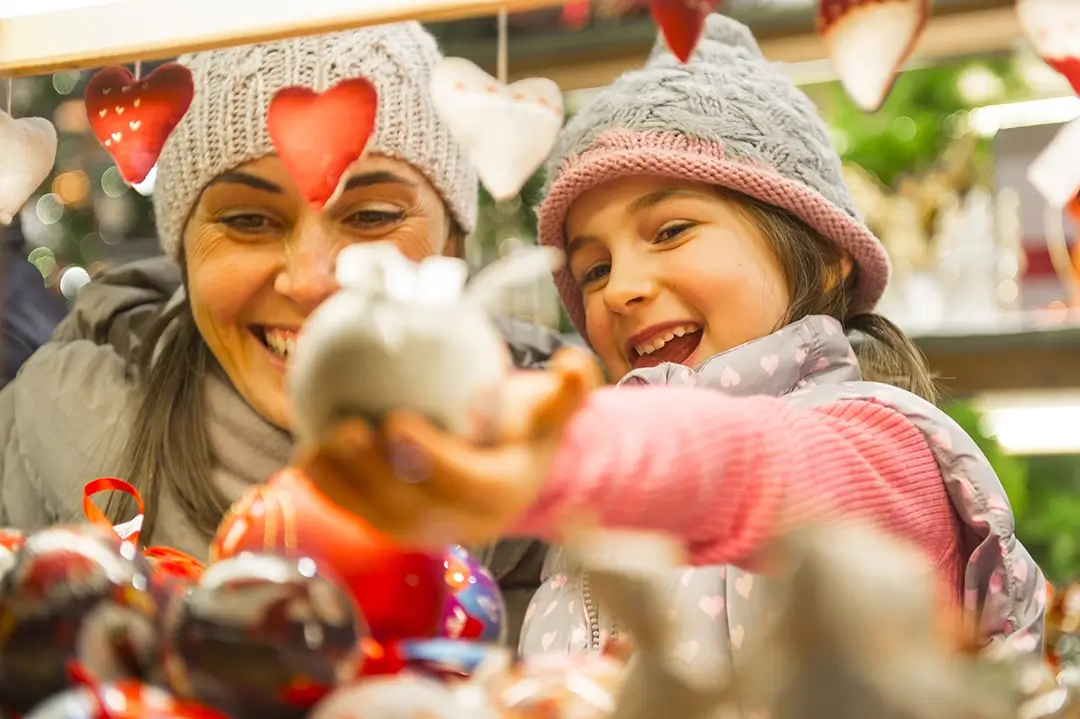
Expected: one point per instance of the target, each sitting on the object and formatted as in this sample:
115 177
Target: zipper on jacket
592 616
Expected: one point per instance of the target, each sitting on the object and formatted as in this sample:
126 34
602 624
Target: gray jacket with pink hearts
718 609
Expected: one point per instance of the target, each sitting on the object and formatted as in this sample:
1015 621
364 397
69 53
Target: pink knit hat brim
663 154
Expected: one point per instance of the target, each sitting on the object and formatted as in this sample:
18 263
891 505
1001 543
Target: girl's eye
374 219
672 232
251 223
595 273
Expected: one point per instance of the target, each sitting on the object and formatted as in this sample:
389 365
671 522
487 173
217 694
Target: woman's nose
308 276
628 286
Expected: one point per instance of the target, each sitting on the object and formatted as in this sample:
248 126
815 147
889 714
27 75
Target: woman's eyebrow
236 177
381 177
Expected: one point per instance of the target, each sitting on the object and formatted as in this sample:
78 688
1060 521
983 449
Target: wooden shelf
123 31
1019 359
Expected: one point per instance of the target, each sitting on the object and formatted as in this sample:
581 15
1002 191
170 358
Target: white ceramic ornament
1055 173
869 41
401 335
27 154
508 130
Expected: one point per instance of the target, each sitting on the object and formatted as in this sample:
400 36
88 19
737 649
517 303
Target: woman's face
260 260
670 272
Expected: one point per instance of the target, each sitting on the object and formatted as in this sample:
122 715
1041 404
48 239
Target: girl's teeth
647 348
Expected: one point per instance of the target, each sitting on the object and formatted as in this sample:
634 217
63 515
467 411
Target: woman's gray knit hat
226 124
728 117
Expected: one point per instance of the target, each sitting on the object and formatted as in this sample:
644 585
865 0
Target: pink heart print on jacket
719 610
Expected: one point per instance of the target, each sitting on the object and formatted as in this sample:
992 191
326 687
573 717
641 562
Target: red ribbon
98 518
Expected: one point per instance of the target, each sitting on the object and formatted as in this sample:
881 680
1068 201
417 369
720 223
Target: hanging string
138 70
10 92
502 58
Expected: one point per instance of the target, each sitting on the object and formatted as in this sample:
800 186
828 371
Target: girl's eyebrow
655 198
579 243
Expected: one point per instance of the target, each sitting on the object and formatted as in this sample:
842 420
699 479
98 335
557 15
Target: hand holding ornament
407 409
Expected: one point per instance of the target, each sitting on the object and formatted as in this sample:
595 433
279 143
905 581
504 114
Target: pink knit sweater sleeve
726 474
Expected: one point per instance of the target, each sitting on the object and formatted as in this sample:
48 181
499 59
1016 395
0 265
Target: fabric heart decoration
1053 26
508 130
869 41
682 23
28 146
1055 173
133 118
318 136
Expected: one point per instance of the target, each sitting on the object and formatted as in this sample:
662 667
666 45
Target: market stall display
306 611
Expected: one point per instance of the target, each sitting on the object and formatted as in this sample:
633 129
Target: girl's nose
308 274
628 286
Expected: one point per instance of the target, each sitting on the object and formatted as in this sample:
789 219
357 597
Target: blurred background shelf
596 54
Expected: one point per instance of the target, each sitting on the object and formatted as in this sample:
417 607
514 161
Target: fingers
353 471
577 374
462 474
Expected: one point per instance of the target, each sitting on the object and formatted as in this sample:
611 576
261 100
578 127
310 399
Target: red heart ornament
319 135
1053 26
682 23
133 118
869 41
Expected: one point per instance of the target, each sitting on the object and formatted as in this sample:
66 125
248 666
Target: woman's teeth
657 342
281 342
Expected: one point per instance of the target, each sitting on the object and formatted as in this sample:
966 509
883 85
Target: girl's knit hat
729 118
226 124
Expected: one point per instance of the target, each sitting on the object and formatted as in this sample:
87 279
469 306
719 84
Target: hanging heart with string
28 149
508 130
133 118
682 23
318 136
1053 26
869 41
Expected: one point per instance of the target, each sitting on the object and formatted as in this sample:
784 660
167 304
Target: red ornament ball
401 592
263 636
73 594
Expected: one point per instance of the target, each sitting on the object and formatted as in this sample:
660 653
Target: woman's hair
813 270
169 448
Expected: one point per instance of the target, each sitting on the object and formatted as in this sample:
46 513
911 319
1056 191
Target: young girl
715 262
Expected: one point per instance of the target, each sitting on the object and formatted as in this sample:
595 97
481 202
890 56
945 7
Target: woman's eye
250 223
671 232
374 219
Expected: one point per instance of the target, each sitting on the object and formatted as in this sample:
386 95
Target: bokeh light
44 260
72 280
65 82
49 209
70 116
73 187
112 183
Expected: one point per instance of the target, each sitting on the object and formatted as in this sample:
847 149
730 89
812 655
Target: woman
173 379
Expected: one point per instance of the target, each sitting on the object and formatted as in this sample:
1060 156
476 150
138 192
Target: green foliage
918 120
1045 495
1012 471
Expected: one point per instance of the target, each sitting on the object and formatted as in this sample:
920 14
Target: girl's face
260 260
670 272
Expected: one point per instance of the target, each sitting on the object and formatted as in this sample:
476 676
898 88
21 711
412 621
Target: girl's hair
813 268
169 449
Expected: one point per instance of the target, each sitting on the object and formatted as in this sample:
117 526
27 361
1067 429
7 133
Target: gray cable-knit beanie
226 124
728 117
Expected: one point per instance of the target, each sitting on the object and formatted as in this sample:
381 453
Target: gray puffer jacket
66 418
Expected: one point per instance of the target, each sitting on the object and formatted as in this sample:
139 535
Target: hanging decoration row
508 129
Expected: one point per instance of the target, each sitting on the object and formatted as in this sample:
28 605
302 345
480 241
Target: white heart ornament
1051 25
508 130
28 146
869 41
